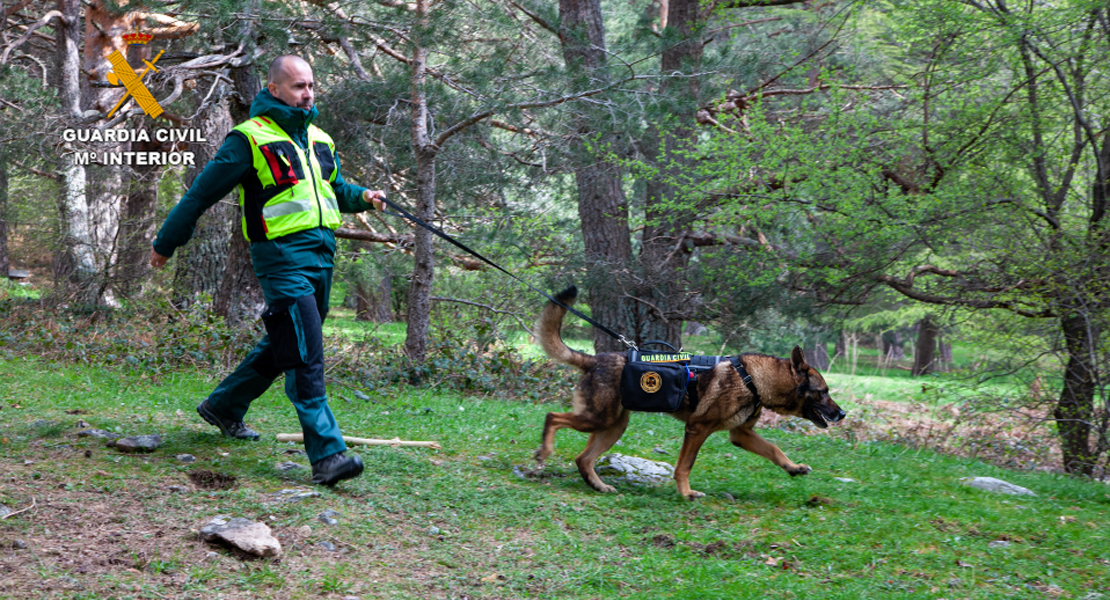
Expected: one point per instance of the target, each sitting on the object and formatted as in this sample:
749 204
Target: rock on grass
246 535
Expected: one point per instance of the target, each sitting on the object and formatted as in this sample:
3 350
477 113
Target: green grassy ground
458 522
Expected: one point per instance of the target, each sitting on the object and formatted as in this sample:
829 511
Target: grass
459 523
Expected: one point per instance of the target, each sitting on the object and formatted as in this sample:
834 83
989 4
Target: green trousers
294 344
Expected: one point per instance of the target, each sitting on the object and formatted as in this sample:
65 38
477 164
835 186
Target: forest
912 191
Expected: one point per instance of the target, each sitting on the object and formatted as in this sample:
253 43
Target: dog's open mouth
821 416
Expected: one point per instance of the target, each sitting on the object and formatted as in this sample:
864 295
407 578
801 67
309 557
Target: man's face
294 86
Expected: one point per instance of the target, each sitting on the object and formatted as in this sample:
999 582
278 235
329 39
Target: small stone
360 395
636 470
44 423
484 458
328 517
845 479
289 466
998 544
69 582
295 451
246 535
28 463
304 531
185 458
658 450
433 531
4 511
295 495
19 544
180 489
98 433
350 598
1094 596
330 547
139 443
81 424
955 582
991 484
212 557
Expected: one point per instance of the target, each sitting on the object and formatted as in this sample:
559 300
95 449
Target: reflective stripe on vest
293 190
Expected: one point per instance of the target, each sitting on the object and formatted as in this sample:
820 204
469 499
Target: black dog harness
654 382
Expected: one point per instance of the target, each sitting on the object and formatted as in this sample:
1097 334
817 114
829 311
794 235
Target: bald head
289 79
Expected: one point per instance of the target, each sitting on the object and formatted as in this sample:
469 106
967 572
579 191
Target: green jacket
309 248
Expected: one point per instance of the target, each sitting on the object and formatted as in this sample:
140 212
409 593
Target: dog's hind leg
600 442
751 441
691 443
556 421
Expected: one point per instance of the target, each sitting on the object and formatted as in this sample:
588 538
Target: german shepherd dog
787 387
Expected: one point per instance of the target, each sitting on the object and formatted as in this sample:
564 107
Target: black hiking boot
332 469
235 429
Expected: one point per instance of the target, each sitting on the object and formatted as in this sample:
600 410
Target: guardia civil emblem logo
651 382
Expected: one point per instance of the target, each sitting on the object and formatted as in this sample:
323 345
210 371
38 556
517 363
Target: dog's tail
547 332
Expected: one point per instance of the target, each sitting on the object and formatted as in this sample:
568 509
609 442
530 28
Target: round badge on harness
651 382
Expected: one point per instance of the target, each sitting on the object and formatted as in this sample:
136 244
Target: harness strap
740 370
407 215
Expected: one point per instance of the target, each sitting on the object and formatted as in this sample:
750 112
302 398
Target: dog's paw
606 489
694 495
798 470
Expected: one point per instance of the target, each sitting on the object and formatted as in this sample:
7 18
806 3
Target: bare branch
538 19
27 34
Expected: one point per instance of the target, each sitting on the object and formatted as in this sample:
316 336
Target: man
291 195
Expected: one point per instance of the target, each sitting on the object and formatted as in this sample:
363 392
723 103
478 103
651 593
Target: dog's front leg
749 440
691 443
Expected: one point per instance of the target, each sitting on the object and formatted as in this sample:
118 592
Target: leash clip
627 342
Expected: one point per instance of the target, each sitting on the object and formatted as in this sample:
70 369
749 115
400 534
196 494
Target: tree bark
74 264
1074 411
239 297
423 272
202 262
602 206
663 296
5 261
137 225
925 350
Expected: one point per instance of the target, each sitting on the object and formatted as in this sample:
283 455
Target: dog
785 386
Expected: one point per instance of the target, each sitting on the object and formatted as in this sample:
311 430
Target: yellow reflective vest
289 189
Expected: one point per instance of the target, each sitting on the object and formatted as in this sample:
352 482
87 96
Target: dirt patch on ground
211 480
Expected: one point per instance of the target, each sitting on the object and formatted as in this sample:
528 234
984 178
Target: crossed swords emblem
134 83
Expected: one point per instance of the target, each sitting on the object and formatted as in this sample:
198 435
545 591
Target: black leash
401 212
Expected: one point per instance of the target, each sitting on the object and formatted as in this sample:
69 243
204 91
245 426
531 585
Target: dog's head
812 392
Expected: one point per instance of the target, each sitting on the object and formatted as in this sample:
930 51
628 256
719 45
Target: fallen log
354 441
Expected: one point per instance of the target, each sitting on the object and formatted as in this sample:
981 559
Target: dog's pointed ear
798 360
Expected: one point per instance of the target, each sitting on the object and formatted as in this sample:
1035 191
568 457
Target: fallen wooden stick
395 442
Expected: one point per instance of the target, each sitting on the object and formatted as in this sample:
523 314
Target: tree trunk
892 345
841 348
137 226
202 262
74 265
239 296
1073 412
5 262
925 350
383 311
423 271
663 297
602 206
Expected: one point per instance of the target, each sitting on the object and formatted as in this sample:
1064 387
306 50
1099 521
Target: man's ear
272 87
798 360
